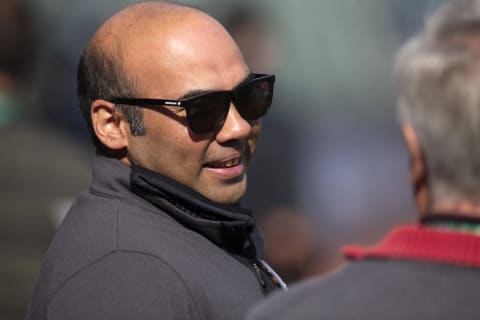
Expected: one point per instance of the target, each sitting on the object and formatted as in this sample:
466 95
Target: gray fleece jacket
141 246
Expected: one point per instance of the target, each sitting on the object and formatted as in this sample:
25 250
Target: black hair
101 76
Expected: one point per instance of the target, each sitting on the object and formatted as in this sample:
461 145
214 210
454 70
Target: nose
235 127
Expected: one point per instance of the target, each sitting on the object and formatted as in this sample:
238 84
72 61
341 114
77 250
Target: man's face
194 58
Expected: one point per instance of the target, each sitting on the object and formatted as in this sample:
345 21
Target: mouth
230 169
224 164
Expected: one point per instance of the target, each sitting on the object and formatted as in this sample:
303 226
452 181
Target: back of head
438 74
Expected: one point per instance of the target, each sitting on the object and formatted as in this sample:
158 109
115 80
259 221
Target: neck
462 208
467 227
453 221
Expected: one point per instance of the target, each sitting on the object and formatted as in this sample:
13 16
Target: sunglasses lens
254 99
207 113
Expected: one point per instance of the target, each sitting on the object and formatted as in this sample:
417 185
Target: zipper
252 253
258 274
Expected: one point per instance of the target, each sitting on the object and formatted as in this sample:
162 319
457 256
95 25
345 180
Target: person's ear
109 125
418 169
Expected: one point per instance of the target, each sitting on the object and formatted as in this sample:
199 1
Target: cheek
178 156
173 157
170 149
161 146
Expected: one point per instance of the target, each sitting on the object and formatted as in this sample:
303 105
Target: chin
228 197
226 200
226 192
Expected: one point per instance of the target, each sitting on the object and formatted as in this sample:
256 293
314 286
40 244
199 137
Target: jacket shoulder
124 285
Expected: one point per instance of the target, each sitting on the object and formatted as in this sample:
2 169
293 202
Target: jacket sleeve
124 285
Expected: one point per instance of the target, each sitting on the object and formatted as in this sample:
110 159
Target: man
175 115
430 270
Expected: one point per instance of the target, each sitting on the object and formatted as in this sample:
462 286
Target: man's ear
418 170
109 125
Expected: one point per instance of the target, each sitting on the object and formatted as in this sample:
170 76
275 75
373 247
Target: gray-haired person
430 270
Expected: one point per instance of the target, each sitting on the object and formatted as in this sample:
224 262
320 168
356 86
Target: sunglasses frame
188 102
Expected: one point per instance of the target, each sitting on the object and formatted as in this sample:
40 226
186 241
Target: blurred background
331 167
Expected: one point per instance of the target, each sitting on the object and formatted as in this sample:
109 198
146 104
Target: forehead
170 58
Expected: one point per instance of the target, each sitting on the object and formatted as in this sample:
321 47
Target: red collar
422 243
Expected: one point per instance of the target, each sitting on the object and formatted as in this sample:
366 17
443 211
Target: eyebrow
199 92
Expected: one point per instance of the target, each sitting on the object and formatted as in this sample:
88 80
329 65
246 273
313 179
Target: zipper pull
259 274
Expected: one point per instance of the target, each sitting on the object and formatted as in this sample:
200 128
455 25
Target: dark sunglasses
206 113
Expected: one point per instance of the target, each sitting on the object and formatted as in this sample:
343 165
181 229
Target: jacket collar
230 227
423 243
110 176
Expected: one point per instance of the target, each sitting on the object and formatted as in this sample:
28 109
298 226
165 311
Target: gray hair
438 77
